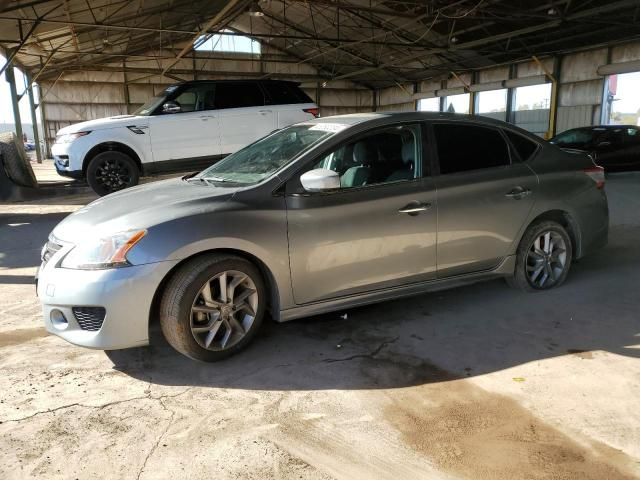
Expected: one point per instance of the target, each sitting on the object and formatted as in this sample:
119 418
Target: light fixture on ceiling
255 10
552 11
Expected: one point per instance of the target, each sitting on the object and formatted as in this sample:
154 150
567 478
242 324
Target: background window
387 156
532 108
468 147
457 103
492 104
621 103
238 95
429 105
523 146
227 41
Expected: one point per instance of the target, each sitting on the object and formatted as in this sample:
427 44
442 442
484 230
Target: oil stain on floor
472 433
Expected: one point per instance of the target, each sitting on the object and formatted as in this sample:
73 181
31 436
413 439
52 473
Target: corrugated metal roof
375 43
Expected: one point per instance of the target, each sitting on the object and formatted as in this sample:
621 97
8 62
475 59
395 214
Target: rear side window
238 95
523 146
469 147
285 93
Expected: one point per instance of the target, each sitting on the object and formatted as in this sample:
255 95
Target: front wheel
111 171
543 258
212 307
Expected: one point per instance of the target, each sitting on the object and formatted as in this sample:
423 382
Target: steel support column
14 100
34 118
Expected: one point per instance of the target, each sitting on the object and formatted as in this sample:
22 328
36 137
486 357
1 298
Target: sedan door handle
264 112
414 208
517 193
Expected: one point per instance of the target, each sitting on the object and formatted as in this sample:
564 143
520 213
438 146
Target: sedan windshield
263 158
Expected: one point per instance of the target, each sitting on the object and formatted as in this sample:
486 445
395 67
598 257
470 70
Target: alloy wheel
546 259
224 310
113 175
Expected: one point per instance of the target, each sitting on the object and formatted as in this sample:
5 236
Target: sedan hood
142 207
104 123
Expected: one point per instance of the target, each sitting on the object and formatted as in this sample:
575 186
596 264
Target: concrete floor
479 382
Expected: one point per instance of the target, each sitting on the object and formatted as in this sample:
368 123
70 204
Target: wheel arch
111 147
273 305
565 219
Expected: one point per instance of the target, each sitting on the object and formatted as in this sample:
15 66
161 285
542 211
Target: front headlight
101 253
70 137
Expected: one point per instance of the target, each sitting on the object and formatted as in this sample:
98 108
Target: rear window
469 147
285 93
523 146
238 95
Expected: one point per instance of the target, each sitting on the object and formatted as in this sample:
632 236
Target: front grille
89 318
49 249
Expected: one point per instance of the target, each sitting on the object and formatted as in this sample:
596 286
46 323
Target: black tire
181 292
15 161
111 171
521 277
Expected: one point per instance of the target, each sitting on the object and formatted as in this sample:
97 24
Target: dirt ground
481 382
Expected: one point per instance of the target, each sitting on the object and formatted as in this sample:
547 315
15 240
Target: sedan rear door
484 197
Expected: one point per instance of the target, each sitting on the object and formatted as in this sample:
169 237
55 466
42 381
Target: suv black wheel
111 171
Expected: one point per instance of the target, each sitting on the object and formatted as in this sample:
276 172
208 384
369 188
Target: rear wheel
111 171
212 307
543 258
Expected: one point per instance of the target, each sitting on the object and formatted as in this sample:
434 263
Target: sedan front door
377 231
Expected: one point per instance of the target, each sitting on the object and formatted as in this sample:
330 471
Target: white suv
189 126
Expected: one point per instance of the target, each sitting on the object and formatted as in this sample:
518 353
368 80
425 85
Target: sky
6 112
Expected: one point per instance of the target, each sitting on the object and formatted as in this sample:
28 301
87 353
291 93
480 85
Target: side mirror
320 180
171 107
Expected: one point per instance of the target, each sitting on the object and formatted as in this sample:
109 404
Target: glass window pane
468 147
492 104
457 103
238 95
532 108
390 155
429 104
622 99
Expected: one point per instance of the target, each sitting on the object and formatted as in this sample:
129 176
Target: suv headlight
102 253
70 137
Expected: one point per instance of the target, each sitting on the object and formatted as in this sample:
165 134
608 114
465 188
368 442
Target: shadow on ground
429 338
23 235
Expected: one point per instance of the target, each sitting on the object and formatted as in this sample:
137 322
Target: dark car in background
614 147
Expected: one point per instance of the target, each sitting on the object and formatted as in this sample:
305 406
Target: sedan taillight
313 111
597 175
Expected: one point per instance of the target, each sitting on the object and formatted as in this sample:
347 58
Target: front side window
463 148
389 155
265 157
238 95
575 137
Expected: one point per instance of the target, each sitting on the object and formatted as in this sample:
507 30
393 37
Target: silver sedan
317 217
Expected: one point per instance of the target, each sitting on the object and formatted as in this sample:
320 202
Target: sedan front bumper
126 294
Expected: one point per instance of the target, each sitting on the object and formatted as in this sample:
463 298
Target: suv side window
195 98
524 147
280 93
238 95
388 155
464 147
